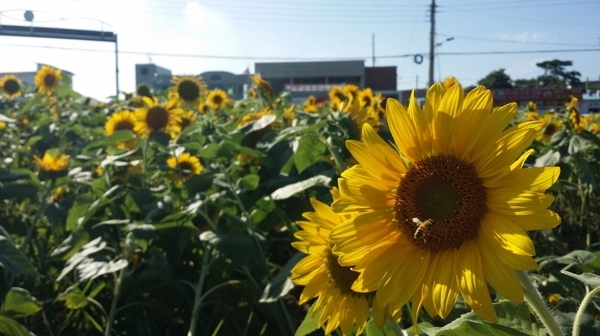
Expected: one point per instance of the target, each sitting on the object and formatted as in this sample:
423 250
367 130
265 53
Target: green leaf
292 189
18 191
549 159
118 136
73 298
310 322
71 245
6 119
143 234
372 329
10 327
589 279
577 144
577 257
10 177
513 320
559 138
19 303
80 207
15 261
310 150
281 283
250 181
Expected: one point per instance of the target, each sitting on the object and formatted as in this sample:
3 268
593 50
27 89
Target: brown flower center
188 90
185 122
343 277
143 91
366 101
446 191
158 118
186 168
550 129
11 86
124 125
49 80
217 100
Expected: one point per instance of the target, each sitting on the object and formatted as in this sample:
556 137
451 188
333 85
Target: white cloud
526 37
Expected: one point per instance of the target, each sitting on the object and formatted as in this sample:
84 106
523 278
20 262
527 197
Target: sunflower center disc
188 90
186 168
11 87
49 80
185 122
343 277
217 100
446 193
124 125
158 118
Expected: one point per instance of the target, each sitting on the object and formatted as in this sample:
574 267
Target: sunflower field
185 212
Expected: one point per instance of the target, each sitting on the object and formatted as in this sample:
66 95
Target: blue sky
190 37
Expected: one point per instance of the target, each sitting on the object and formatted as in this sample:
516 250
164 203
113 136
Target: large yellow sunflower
325 279
47 79
188 88
122 120
157 118
10 86
458 168
216 99
50 163
263 85
184 166
550 125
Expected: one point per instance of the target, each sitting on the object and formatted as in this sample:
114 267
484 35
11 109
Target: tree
496 80
556 76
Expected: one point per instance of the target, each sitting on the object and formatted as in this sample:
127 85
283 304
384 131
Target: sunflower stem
535 301
586 300
394 326
198 291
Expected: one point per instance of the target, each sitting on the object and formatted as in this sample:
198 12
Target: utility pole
431 42
373 39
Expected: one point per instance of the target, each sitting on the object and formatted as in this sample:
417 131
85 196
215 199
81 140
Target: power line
515 42
460 53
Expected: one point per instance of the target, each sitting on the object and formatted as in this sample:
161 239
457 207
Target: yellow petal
444 286
432 103
403 130
450 107
513 252
492 130
477 107
542 219
472 285
499 275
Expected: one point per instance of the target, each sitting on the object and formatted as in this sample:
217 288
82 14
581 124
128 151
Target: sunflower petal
499 275
471 282
403 130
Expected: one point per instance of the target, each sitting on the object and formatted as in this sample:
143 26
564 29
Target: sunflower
351 89
2 125
549 126
366 97
310 108
324 278
10 86
203 108
47 79
188 88
143 90
50 163
122 120
449 81
459 170
532 106
530 116
184 166
263 85
157 118
254 116
336 94
289 114
187 119
216 99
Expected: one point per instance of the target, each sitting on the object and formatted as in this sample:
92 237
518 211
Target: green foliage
123 243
